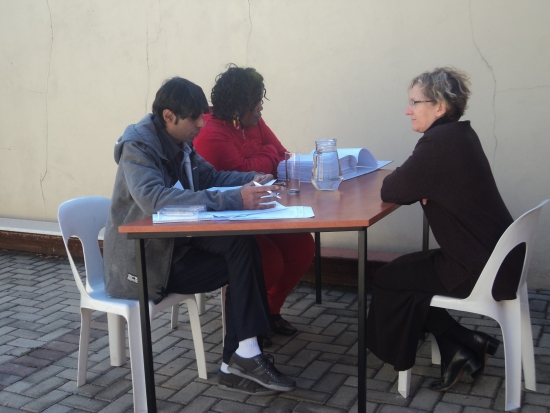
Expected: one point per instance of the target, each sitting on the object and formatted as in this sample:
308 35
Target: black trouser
213 262
400 307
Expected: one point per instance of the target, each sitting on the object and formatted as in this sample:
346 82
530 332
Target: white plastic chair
84 218
512 315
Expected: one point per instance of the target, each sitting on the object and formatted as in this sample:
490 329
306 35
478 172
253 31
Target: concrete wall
74 74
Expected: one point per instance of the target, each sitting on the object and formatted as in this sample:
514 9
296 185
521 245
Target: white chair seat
512 315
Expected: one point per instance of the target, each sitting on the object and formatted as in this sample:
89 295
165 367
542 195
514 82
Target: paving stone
314 408
114 391
316 370
330 382
119 405
467 400
111 376
303 358
13 400
328 348
45 401
46 386
32 361
343 398
527 408
189 392
425 399
84 403
46 354
307 395
447 408
537 399
57 408
281 405
17 369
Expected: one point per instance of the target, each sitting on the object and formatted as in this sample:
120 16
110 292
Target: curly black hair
235 91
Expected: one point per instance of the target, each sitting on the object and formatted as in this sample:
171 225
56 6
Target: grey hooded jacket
143 185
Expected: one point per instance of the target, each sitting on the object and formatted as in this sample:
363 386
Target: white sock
248 348
223 368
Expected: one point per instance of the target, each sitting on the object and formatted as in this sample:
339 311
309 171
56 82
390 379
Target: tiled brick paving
39 327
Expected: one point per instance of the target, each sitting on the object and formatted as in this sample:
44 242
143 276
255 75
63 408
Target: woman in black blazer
450 175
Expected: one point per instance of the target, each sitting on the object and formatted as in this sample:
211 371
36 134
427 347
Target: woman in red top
235 138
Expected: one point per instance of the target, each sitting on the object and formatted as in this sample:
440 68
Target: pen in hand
275 194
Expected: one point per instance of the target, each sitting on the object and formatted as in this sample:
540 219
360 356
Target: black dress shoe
266 341
284 328
464 361
484 345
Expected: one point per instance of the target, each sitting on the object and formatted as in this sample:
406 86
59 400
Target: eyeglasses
412 103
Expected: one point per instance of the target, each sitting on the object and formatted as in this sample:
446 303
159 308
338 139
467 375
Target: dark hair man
158 166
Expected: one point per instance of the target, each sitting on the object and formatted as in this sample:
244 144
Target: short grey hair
447 85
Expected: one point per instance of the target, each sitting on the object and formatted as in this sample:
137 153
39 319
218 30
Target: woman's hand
263 178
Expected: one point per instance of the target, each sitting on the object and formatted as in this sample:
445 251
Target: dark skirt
400 304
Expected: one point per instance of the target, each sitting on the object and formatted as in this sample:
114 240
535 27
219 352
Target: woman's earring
236 122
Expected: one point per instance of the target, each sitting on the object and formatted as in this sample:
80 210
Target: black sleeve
413 180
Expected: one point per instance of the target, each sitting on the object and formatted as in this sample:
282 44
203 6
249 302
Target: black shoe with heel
485 346
283 328
464 361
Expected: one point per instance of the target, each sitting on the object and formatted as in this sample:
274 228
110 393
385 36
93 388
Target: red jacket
255 148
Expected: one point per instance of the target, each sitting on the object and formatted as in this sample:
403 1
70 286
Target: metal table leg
145 327
318 283
362 320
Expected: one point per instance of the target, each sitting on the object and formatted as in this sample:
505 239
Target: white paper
287 213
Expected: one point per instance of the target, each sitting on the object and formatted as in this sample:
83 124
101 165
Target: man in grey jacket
158 166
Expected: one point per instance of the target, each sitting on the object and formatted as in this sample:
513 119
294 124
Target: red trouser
285 259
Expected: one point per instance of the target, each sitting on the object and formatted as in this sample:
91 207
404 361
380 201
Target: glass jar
326 174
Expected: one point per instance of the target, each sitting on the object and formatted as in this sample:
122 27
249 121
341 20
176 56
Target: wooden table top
354 206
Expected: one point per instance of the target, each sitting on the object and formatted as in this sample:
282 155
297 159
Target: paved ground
39 327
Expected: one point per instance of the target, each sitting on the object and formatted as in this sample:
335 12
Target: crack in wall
523 88
147 53
494 82
42 177
249 32
160 26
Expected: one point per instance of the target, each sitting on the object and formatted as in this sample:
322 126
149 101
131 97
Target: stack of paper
277 212
353 162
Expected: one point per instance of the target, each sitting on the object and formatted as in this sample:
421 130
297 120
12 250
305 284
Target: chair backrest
84 218
521 230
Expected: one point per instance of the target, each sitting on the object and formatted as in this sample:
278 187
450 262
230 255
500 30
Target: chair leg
201 302
404 383
117 339
85 320
136 361
223 292
527 353
174 322
436 355
511 325
195 322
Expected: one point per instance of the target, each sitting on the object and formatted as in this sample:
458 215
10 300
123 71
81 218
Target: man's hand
424 201
252 195
262 178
